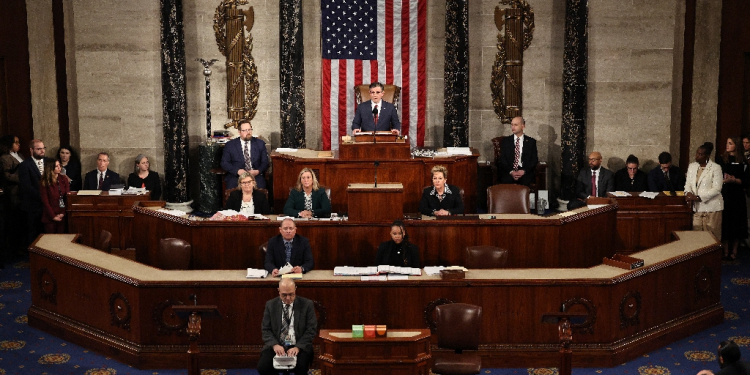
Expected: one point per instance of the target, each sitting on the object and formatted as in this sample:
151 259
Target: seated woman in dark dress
71 166
307 199
631 178
143 177
246 199
441 199
398 251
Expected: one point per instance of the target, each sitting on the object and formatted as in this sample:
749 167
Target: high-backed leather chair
508 199
485 257
173 254
391 94
458 326
263 247
104 242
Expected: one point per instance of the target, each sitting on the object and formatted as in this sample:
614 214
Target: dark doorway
15 99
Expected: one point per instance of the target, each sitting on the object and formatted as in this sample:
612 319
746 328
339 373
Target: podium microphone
377 163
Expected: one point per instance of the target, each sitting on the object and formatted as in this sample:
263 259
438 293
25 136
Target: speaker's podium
376 203
374 145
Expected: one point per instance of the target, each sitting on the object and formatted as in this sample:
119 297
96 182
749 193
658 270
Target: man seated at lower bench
289 327
288 247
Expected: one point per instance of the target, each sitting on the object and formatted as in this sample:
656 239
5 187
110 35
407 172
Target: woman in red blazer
55 186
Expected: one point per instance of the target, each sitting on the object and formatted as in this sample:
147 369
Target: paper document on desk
284 362
254 273
89 192
286 269
397 277
459 150
354 271
286 149
648 194
135 191
433 271
374 278
621 194
399 270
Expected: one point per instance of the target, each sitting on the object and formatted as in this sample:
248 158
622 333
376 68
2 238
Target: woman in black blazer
71 166
441 199
398 251
307 199
144 177
246 200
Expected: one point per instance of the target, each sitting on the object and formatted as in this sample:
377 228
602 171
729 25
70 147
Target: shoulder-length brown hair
739 156
48 177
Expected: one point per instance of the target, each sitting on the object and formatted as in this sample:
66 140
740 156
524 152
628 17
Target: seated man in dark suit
245 154
376 114
289 326
666 177
101 178
595 181
630 178
518 156
289 247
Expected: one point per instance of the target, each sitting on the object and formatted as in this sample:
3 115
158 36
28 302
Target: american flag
365 41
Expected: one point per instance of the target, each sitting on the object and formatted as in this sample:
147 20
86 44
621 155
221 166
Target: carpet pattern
24 350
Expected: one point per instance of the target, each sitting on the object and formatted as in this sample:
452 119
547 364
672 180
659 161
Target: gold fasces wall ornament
515 26
243 88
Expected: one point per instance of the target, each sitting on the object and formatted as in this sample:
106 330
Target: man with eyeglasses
630 178
376 114
289 326
595 181
29 174
245 154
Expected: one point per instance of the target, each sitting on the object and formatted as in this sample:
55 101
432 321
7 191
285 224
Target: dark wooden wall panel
735 44
14 52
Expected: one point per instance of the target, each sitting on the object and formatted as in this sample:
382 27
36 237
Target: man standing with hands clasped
289 326
518 156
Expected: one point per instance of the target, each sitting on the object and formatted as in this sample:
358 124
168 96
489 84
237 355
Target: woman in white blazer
703 189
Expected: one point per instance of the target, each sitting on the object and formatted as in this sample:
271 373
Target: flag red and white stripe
402 46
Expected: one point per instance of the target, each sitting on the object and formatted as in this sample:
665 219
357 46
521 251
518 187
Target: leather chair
485 257
458 326
263 247
391 94
174 254
104 243
508 199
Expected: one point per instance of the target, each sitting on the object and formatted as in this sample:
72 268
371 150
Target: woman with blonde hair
54 188
144 177
441 199
246 199
307 199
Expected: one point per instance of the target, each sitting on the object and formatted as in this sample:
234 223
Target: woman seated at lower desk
398 251
246 200
441 199
307 199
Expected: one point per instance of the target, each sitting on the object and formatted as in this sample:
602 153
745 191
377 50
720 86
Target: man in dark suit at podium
101 178
289 326
245 154
288 247
518 156
376 114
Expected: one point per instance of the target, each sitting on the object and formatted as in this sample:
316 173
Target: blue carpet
24 350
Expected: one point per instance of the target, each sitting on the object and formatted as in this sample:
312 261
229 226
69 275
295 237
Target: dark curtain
456 92
291 74
174 102
575 68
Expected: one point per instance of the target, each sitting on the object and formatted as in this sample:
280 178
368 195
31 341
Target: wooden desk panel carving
89 215
643 223
676 293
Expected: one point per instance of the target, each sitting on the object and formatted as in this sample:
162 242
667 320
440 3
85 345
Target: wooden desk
90 214
403 351
581 240
643 223
368 203
337 173
121 308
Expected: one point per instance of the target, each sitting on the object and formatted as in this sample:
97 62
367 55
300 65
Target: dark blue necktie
288 251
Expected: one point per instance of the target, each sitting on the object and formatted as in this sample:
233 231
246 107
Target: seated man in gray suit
289 326
595 181
376 114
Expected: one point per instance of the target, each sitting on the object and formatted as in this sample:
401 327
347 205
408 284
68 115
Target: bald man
594 181
289 327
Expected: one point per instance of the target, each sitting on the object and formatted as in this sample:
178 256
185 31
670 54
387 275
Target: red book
369 331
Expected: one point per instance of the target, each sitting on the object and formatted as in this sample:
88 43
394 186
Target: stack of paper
115 191
374 278
621 194
399 270
135 191
254 273
433 271
354 271
648 194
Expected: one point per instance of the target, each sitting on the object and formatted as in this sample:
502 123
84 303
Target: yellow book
292 276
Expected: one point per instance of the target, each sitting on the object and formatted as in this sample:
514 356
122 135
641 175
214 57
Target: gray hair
138 161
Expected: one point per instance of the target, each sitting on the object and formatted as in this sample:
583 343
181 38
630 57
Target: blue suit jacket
110 178
301 254
233 159
387 117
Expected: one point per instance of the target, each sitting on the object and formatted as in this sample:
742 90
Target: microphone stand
377 163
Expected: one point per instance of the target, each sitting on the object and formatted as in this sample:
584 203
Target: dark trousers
33 226
265 364
527 179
